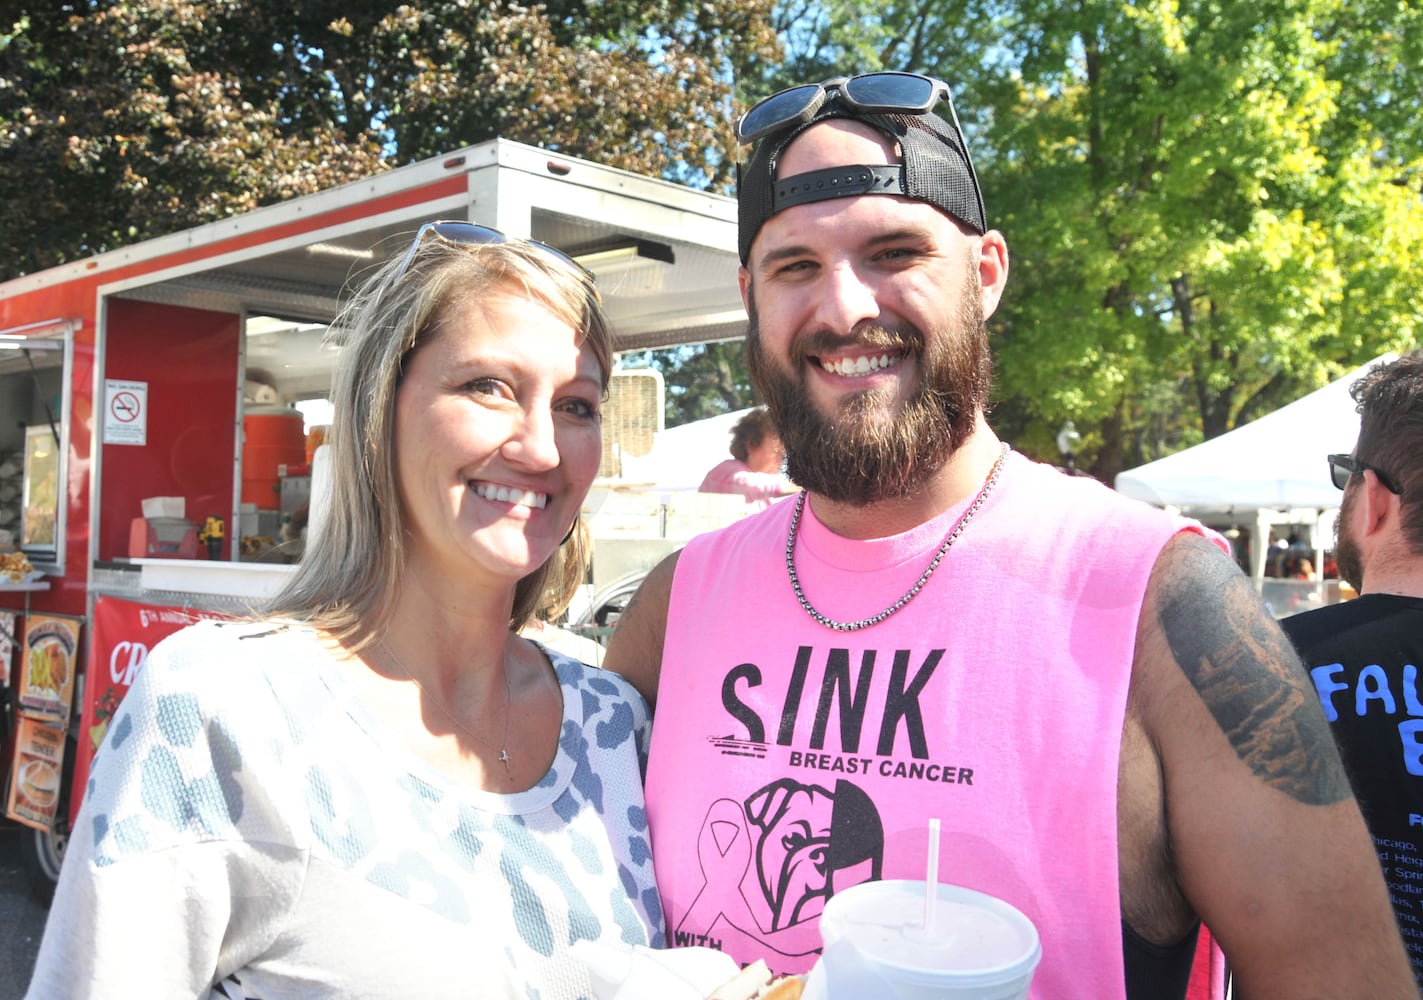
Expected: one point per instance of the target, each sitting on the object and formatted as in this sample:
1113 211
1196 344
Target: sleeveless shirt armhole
1157 971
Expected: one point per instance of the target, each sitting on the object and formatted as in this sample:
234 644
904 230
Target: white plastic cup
876 945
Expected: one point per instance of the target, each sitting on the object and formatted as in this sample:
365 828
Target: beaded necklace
918 584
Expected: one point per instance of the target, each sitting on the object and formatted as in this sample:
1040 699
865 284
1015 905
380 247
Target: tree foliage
124 120
1210 207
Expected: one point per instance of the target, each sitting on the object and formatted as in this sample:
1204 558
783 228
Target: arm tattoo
631 604
1246 673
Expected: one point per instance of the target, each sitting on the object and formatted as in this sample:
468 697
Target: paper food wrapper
634 972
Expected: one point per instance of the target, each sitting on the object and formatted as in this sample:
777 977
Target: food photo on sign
47 665
34 790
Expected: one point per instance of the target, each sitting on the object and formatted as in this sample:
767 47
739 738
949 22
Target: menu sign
34 782
47 664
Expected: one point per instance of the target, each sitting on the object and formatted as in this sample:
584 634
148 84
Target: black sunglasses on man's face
1341 467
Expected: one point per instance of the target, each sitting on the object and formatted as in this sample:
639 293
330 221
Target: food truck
160 410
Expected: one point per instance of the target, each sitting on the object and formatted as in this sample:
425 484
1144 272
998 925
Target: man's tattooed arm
1257 827
1247 674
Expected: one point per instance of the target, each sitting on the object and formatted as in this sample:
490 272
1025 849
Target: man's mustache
870 338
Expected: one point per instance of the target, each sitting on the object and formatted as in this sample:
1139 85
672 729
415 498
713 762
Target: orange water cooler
272 436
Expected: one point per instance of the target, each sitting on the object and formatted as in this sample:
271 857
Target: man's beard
1347 557
856 455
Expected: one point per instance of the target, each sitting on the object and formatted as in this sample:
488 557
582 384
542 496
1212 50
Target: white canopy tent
1273 466
1276 461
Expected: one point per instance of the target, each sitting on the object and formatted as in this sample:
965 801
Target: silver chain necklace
508 706
913 591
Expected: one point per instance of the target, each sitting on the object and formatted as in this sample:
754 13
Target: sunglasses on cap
868 93
904 93
1341 467
473 234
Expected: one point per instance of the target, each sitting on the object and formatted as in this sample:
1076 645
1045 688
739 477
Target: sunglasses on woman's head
472 234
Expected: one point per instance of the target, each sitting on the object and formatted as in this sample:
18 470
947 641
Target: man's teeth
857 366
506 494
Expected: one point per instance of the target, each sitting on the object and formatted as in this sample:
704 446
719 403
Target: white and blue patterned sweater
249 831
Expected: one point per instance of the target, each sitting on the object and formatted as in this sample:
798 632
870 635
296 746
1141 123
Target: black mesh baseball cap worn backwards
933 168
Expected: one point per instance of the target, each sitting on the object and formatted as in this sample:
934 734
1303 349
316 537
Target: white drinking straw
931 877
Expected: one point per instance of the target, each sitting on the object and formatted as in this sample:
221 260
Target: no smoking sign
125 412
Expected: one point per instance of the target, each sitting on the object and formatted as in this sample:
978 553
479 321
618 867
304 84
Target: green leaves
130 120
1210 207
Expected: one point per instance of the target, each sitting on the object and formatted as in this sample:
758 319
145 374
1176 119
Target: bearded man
1084 691
1363 655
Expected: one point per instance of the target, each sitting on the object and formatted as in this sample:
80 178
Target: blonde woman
380 789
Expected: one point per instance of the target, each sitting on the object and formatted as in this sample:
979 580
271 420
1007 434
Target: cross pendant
504 756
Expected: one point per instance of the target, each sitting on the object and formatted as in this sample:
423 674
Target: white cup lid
975 935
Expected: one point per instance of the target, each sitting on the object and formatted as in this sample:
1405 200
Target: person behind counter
379 788
1086 691
754 468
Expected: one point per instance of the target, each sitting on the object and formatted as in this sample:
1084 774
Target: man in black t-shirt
1366 656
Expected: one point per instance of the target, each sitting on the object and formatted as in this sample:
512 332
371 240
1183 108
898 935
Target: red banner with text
123 633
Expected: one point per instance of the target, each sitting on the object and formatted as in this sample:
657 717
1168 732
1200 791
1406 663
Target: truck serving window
33 442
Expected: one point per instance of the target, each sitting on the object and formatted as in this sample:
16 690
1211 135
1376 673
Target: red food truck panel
188 361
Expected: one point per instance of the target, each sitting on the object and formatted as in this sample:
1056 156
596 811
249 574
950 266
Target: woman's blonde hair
347 579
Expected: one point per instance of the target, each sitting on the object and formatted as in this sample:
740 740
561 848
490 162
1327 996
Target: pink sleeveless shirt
789 761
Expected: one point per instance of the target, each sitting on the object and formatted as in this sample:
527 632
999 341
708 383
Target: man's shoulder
1328 622
1055 493
1041 507
1304 622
